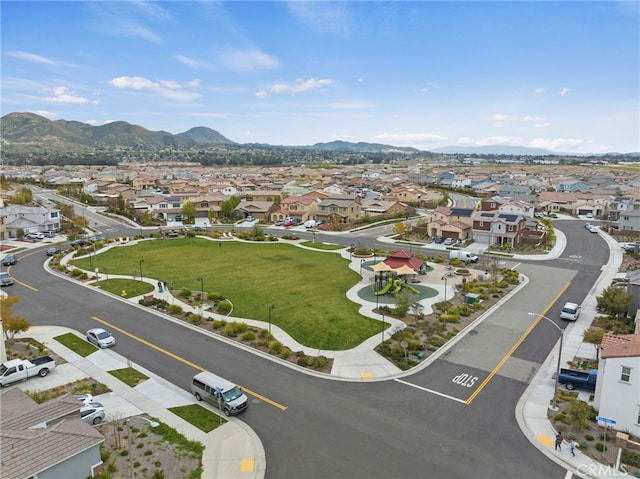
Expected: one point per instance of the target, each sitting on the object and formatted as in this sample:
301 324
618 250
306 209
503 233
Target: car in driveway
9 260
92 413
53 250
35 236
84 398
100 338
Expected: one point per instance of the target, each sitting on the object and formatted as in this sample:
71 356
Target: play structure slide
385 288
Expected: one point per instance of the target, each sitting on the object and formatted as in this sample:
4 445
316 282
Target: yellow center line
182 360
515 346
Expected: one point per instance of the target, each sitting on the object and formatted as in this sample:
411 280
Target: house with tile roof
48 440
299 207
451 222
617 393
504 230
339 209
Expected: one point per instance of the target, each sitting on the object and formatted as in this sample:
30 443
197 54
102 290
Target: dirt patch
137 446
29 348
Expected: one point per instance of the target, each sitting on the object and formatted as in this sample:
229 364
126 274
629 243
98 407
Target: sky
563 76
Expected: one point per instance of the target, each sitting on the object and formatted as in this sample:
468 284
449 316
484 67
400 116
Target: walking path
234 450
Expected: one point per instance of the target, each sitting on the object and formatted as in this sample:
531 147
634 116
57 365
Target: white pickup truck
21 369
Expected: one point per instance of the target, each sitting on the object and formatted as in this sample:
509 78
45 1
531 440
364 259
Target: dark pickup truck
578 379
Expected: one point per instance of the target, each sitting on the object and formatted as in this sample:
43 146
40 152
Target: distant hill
205 136
24 132
360 146
497 150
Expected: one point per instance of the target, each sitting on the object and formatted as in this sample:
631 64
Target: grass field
76 344
308 288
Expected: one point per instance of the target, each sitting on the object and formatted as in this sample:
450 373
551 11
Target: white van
219 392
570 311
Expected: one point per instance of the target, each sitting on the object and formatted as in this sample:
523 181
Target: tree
227 207
400 229
11 324
578 414
615 301
27 194
188 212
593 335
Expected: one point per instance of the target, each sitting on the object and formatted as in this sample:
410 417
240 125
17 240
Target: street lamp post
128 420
141 261
270 308
445 286
555 390
201 295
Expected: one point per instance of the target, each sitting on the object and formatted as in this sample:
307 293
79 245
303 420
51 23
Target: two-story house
451 222
499 229
618 383
339 209
29 219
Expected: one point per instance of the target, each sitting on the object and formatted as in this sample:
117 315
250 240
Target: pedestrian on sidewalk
572 445
559 439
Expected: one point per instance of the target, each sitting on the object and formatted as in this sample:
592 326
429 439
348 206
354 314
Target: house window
481 224
625 375
510 227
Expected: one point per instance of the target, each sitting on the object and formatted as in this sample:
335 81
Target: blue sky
564 76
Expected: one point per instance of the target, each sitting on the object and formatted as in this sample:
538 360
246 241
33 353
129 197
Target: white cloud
136 83
64 95
45 113
465 140
192 62
166 88
556 143
497 140
170 84
538 91
332 17
342 137
300 85
247 61
429 86
564 91
409 138
500 121
32 57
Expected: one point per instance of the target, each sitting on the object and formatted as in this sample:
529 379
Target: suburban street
428 422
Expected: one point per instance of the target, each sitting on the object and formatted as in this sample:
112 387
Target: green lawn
125 287
308 288
129 376
76 344
200 417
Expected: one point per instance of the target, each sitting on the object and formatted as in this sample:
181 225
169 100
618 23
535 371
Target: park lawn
76 344
125 287
308 288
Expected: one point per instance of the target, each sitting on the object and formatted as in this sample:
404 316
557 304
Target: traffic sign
604 419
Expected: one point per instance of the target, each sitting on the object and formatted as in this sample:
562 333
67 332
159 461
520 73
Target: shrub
275 347
184 293
214 297
224 307
248 336
195 319
589 437
600 446
174 309
285 353
631 457
264 333
218 323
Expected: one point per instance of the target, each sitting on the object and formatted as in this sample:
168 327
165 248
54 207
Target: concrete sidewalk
234 451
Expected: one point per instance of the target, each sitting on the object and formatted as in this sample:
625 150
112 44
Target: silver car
100 338
92 413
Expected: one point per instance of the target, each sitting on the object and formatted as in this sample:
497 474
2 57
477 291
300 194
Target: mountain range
31 133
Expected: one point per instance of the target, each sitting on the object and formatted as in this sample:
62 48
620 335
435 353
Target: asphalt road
433 423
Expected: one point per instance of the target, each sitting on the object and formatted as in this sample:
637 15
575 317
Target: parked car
9 260
35 236
289 223
249 218
438 239
279 223
198 228
79 242
589 216
49 234
594 229
53 250
101 338
92 413
84 398
588 226
5 279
